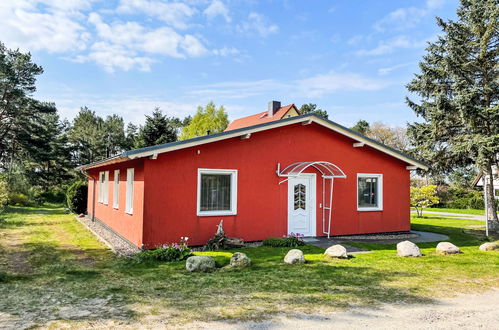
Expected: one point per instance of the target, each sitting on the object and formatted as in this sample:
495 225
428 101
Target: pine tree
459 94
312 108
87 137
207 120
114 130
158 129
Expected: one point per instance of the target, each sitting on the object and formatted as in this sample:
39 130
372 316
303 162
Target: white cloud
388 46
175 14
387 70
226 51
257 24
130 45
404 18
55 30
111 57
314 86
331 82
217 8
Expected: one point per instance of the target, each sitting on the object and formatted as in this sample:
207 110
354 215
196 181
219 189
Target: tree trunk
490 203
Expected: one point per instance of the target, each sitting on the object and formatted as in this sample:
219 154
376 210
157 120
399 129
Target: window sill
116 207
216 213
129 212
369 209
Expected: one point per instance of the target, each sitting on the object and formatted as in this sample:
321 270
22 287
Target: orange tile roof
260 118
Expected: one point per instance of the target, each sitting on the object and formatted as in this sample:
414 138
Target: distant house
478 182
268 175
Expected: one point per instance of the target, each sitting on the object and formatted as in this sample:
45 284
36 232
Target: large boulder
408 249
200 264
490 246
240 260
294 256
447 248
336 252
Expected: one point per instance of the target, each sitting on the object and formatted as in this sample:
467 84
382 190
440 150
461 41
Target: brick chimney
273 107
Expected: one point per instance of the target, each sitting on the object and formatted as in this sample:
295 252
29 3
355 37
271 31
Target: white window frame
105 197
101 187
380 191
233 190
130 173
116 189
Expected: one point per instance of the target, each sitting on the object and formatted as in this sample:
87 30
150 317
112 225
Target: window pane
368 192
215 192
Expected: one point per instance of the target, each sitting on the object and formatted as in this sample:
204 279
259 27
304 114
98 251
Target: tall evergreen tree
459 90
87 137
312 108
207 118
158 129
362 127
17 84
114 131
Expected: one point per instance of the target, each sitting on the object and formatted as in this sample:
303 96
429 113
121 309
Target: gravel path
117 244
470 311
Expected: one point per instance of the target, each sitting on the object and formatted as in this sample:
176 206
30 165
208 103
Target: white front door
301 205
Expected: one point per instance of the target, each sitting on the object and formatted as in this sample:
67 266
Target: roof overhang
241 132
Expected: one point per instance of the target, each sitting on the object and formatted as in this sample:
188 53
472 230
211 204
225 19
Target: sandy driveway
471 311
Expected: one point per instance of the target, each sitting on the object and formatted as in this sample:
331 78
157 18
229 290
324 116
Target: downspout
93 192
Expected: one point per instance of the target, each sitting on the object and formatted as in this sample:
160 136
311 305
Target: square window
217 191
369 192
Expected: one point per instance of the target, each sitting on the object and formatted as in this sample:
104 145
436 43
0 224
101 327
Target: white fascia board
369 143
280 124
218 138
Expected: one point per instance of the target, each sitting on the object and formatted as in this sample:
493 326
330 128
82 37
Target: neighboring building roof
309 118
478 179
260 118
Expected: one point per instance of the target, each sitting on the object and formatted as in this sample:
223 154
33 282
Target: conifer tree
458 88
158 129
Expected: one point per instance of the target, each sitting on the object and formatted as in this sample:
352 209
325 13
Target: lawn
54 273
460 211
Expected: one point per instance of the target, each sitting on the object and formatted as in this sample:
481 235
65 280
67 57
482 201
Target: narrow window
105 191
116 189
369 192
217 192
101 187
129 191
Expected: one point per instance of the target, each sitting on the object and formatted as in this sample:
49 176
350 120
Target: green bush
167 252
4 195
460 198
76 197
20 199
288 241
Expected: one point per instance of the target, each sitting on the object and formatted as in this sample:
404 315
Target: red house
267 175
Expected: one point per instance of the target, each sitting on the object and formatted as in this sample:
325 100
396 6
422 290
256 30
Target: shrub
20 200
166 252
76 197
292 240
4 196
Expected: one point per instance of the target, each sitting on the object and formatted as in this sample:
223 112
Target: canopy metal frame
329 172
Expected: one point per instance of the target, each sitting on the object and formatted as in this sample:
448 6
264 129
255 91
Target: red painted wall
130 226
170 194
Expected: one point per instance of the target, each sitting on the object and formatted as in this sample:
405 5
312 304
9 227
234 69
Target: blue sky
351 58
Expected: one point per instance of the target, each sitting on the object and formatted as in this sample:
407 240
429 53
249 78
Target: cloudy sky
351 58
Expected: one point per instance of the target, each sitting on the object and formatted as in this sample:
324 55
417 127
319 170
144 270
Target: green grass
57 269
460 211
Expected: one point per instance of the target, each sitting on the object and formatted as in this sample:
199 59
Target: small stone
408 249
200 264
447 248
490 246
336 252
294 256
240 260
